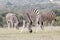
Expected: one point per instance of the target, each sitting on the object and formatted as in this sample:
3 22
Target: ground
49 33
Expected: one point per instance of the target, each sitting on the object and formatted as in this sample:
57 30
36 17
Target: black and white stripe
36 11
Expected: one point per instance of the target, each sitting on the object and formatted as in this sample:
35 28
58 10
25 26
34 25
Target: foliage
1 21
57 12
57 23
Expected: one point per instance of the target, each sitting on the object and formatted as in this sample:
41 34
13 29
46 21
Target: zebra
12 20
30 16
47 17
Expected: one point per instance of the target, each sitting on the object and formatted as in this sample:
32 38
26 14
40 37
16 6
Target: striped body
47 17
12 20
30 16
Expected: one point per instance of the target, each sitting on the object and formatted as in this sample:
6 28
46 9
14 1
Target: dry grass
50 33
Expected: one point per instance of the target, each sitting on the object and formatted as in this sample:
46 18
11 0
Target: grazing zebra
30 16
12 20
47 17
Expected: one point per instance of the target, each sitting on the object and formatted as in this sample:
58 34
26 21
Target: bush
1 21
57 23
57 12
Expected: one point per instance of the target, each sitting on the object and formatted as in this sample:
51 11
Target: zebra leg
52 23
12 24
42 26
8 24
29 27
16 25
36 27
36 24
23 25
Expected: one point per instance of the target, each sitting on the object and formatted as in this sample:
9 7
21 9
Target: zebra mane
36 11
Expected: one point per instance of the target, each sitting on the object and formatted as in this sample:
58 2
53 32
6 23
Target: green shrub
57 23
1 21
57 12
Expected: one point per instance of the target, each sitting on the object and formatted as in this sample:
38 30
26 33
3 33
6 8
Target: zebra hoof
30 31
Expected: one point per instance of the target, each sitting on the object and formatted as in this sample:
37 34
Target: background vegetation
18 7
20 17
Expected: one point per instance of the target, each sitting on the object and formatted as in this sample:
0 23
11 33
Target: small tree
57 12
1 21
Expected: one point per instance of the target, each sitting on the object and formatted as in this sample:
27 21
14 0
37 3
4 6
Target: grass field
49 33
